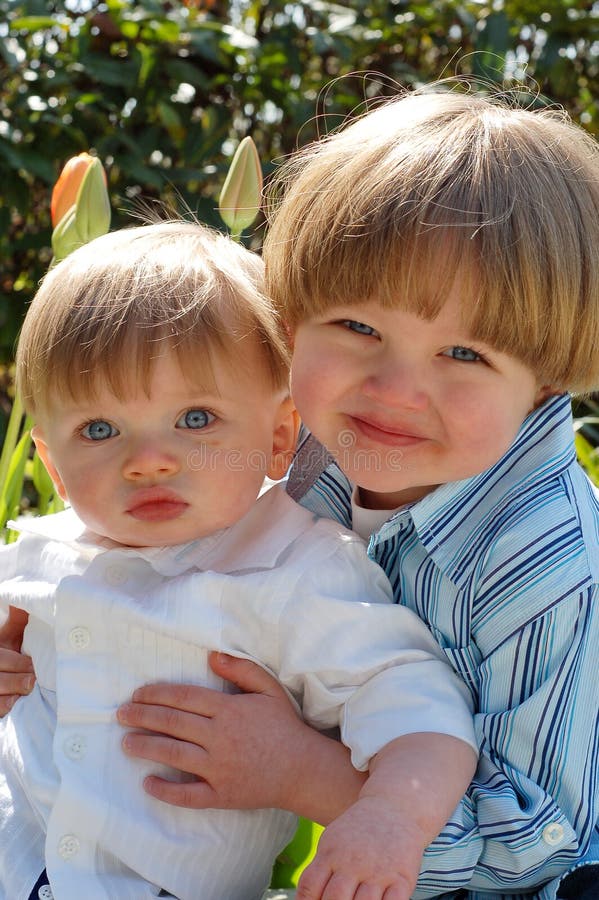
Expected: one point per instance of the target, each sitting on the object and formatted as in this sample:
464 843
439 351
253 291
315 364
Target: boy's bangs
415 269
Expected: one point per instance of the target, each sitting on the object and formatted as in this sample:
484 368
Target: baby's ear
284 439
41 446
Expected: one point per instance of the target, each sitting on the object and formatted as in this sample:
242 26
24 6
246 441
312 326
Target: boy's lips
384 433
156 505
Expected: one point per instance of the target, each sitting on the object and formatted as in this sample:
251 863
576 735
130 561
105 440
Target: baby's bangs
124 365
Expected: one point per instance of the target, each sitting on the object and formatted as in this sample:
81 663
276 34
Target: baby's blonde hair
440 190
108 309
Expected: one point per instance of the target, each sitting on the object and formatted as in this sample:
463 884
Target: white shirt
280 587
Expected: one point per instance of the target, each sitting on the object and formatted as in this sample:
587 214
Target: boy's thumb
247 675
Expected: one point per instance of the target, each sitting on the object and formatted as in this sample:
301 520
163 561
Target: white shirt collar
254 542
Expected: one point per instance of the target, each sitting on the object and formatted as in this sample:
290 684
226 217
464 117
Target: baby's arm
376 845
16 670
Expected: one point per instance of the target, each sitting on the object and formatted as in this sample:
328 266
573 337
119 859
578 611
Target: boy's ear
545 391
284 439
42 448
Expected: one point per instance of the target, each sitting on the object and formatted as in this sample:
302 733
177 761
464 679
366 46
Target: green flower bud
241 196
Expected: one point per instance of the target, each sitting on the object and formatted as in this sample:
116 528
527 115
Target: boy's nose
150 462
396 384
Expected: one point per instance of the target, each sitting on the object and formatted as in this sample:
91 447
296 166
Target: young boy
158 377
436 262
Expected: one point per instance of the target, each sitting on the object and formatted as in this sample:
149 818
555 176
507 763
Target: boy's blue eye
358 327
98 430
464 354
195 419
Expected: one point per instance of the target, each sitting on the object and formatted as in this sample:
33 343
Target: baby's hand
16 678
16 670
370 851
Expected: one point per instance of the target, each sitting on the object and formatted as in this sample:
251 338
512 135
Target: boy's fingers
247 675
190 794
178 755
163 719
189 698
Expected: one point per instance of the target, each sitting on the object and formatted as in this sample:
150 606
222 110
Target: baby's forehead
198 366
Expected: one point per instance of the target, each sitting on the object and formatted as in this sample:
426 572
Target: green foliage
586 425
163 91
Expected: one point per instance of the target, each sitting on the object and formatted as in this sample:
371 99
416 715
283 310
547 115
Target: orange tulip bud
80 204
64 195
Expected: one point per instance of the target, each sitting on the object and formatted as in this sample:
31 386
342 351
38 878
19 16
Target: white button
115 575
75 746
68 846
79 637
553 834
45 893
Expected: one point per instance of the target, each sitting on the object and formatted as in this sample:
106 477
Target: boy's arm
374 670
16 670
376 845
384 821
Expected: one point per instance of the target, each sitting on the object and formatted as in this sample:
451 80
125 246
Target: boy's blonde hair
107 309
438 190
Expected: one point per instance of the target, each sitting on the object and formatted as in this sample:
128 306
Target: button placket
75 746
115 575
79 637
553 834
68 846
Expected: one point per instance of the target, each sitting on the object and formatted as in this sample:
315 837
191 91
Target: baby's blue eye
358 327
195 418
98 430
463 354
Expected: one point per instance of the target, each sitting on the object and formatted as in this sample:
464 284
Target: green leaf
42 483
37 23
93 206
12 489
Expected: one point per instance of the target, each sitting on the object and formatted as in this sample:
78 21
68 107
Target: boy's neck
375 500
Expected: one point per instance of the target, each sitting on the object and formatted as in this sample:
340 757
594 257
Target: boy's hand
371 852
248 750
16 670
232 743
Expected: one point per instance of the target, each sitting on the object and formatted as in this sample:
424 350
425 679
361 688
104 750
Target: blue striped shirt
504 569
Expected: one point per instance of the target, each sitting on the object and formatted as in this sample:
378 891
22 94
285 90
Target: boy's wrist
320 781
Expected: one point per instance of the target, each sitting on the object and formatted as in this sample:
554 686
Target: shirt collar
255 542
450 517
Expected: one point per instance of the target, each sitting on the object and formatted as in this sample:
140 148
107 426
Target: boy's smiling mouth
384 433
156 505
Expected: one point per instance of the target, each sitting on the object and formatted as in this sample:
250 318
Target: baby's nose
148 461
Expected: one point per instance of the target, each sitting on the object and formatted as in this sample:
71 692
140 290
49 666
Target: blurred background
164 91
